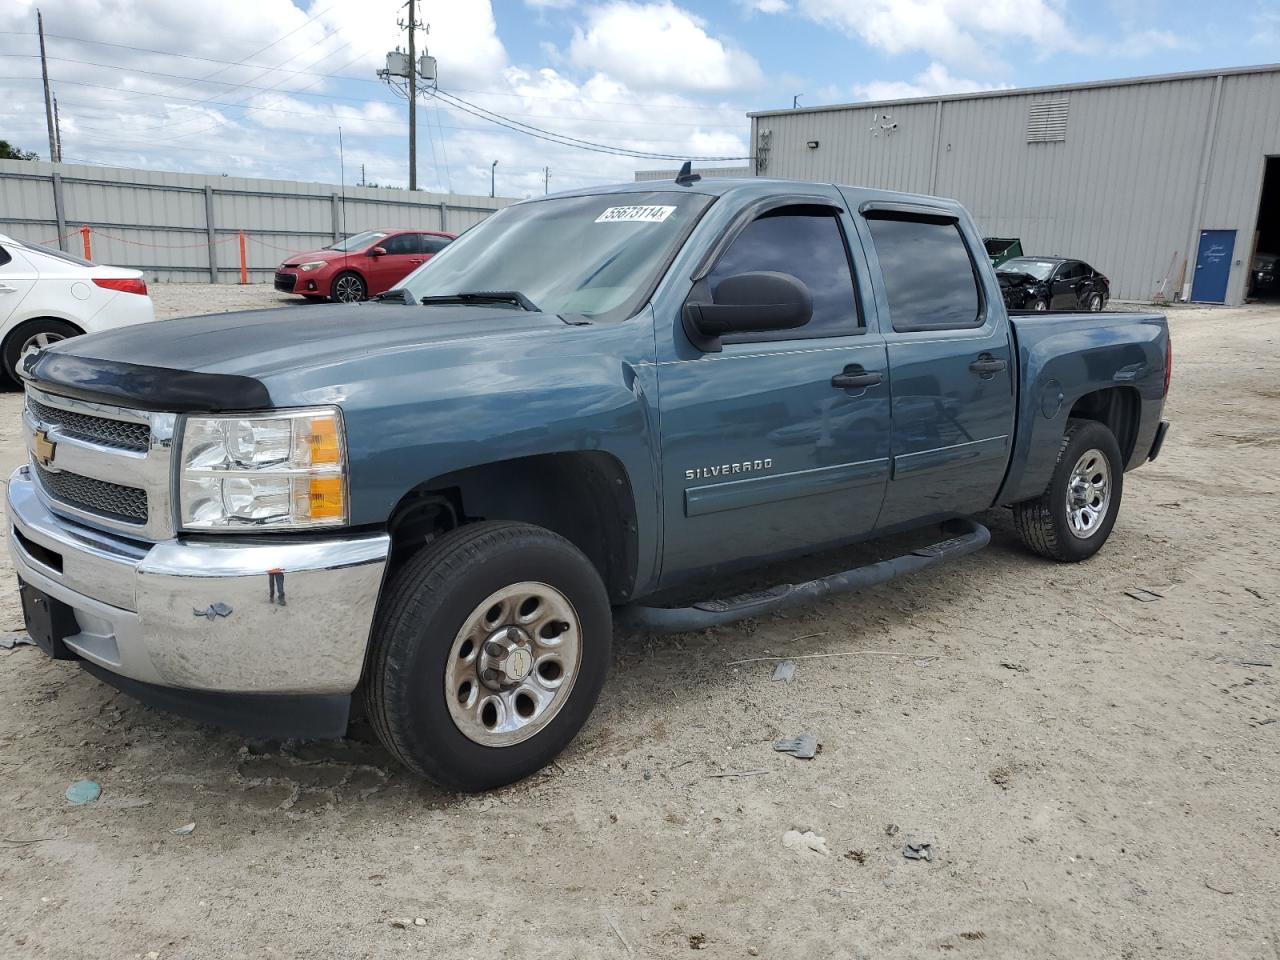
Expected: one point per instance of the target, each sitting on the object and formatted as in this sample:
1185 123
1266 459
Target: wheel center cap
506 658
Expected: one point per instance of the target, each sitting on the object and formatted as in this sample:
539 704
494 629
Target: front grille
285 281
120 434
111 500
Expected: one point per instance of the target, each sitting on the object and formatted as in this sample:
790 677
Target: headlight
311 265
284 470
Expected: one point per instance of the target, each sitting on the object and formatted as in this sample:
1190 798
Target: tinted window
1071 270
4 256
928 274
401 243
433 244
807 246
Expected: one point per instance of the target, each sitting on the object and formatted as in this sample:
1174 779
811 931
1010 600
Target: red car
361 266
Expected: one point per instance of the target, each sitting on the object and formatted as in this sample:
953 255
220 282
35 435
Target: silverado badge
44 448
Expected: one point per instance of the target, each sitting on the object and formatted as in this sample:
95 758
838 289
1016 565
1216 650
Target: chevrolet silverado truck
437 505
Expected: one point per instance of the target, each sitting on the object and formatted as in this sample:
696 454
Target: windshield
358 242
597 256
1040 269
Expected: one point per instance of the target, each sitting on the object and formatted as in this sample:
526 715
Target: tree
9 152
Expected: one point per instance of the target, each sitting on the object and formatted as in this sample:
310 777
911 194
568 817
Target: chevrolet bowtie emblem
44 448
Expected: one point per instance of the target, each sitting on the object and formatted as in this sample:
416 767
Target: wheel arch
1118 408
585 496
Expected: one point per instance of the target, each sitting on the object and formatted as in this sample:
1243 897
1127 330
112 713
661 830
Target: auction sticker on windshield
636 214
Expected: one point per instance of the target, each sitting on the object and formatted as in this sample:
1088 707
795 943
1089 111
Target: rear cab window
928 271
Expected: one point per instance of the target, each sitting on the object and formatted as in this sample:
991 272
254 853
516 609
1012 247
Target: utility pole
57 129
493 176
546 180
362 174
413 95
795 102
48 102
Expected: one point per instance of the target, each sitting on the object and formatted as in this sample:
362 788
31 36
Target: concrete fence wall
186 227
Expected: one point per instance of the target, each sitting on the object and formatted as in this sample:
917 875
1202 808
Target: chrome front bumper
233 615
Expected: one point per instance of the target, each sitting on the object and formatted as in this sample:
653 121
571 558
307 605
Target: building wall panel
1120 191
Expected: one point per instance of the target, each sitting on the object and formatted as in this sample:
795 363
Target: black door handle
987 365
855 377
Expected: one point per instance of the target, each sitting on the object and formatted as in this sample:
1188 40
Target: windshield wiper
486 296
395 295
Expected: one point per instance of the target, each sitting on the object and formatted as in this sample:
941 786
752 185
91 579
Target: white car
47 295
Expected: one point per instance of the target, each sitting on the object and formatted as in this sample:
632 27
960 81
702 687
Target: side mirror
377 251
749 303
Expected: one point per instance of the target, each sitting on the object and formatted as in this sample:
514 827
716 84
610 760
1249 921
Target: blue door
765 451
1213 266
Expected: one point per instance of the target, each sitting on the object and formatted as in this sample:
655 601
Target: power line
562 139
648 104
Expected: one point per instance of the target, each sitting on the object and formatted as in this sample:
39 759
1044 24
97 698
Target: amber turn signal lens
323 441
326 497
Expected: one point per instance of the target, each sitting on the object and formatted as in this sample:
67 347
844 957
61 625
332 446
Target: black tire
1043 523
348 287
422 611
24 332
1040 305
1095 303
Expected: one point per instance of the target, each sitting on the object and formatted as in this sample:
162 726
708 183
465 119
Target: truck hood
187 358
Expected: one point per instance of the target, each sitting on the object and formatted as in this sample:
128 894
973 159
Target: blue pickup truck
437 505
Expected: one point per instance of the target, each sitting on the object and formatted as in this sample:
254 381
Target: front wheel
349 288
1040 306
1073 518
488 653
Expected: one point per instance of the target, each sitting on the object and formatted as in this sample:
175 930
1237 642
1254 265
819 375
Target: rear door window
432 243
807 243
928 272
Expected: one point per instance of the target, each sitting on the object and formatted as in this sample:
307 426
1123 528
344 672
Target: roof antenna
686 175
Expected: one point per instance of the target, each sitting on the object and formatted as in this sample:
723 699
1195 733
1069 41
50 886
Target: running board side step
968 536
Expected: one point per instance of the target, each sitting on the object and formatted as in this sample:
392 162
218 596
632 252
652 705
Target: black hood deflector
141 387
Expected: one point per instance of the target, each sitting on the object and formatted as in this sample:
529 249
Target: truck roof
746 188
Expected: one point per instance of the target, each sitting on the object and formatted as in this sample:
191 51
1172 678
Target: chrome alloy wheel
37 342
513 664
348 289
1040 306
1088 493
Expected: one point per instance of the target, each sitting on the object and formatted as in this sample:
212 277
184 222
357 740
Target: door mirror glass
750 303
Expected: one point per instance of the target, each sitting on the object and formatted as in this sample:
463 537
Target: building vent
1047 121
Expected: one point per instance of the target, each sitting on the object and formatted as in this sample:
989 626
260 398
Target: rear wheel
31 336
1095 303
349 288
1073 518
488 653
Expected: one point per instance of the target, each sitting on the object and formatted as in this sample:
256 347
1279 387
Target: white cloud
1144 43
550 4
934 81
278 117
766 6
955 32
660 46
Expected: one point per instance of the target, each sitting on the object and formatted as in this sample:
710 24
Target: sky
260 87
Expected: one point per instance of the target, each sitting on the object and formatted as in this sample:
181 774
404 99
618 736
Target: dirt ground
1098 776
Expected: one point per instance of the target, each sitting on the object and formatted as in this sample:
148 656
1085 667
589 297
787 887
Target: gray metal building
1158 182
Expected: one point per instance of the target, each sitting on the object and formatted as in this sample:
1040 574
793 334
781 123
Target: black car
1264 279
1052 283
